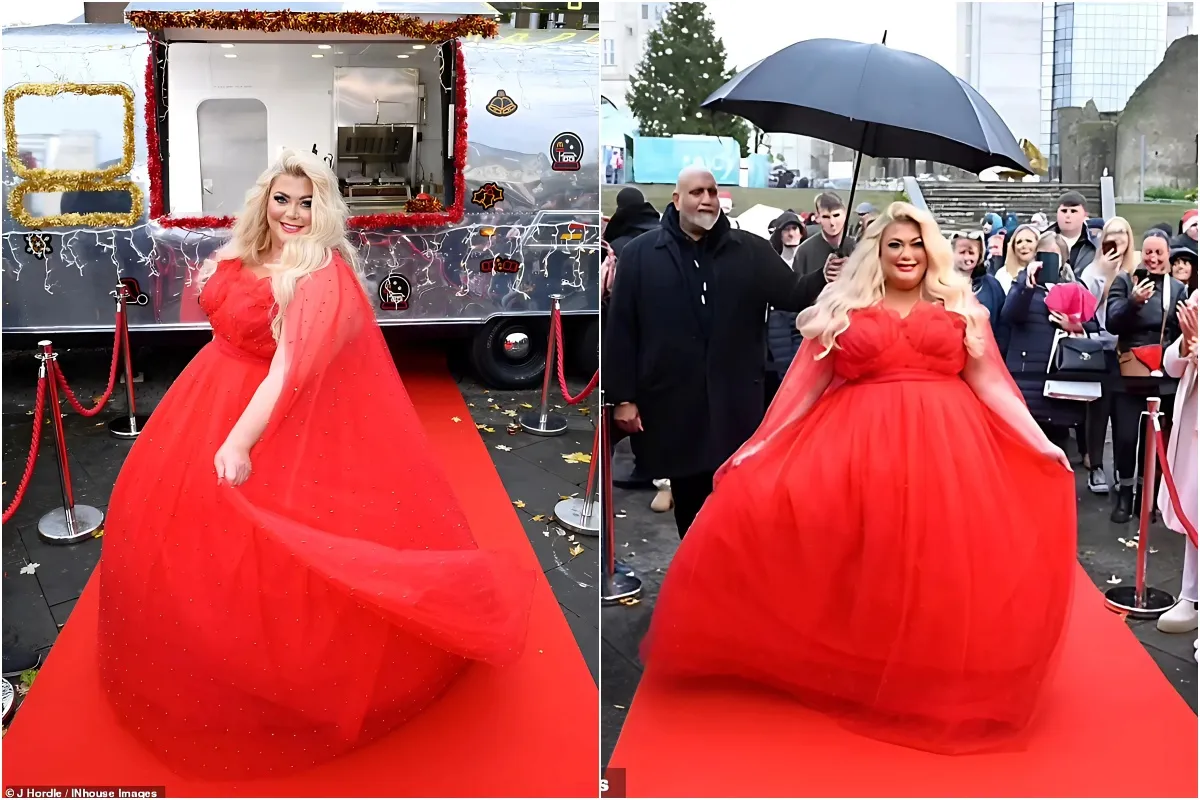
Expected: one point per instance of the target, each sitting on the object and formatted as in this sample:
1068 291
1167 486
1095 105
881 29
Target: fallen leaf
546 533
29 413
1114 580
27 678
630 601
560 531
502 447
98 425
480 425
519 503
470 405
571 538
558 407
456 419
577 458
576 550
617 706
620 516
1153 550
489 430
564 497
29 569
587 412
509 413
99 532
494 407
526 405
539 518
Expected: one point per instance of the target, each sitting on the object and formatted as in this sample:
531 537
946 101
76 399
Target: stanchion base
1123 599
621 587
569 514
531 421
122 429
53 526
621 568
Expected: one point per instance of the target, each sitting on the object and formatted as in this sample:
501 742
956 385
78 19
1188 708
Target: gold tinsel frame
96 219
39 180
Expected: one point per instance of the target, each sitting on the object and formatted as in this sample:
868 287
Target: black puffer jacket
1031 338
783 340
1136 324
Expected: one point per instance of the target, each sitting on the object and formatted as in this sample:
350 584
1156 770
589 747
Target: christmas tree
684 63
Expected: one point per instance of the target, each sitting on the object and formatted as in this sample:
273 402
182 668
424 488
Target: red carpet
1113 727
527 731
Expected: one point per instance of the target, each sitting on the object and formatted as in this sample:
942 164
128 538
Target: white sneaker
1180 618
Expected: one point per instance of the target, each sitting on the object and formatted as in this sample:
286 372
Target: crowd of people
790 400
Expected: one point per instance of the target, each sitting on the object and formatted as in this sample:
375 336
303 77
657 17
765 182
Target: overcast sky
750 35
39 12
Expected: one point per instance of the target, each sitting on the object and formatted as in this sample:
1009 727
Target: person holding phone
827 252
1142 311
1117 255
1018 254
1032 331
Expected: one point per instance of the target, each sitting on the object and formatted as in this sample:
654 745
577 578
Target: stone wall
1163 109
1087 143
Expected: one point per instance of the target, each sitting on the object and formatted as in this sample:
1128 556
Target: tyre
510 352
583 345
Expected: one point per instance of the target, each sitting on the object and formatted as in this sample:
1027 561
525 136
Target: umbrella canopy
882 102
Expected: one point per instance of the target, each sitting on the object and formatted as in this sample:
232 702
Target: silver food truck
470 163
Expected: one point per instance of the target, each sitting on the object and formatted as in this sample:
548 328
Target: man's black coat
695 373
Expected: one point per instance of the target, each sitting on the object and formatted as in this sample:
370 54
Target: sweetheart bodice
239 306
880 342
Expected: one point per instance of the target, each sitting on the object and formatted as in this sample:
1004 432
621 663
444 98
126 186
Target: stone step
961 204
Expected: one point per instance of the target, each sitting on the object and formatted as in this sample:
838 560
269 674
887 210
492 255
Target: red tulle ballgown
893 554
250 631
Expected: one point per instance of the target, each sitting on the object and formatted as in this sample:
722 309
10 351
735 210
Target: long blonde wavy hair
861 283
1129 259
302 255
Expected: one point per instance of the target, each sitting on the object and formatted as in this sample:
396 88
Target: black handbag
1077 354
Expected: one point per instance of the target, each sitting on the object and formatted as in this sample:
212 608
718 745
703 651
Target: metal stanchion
545 422
578 513
130 425
618 584
71 523
1141 601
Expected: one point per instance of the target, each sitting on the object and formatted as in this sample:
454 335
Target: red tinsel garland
429 219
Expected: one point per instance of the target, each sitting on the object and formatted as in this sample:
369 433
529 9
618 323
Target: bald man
684 339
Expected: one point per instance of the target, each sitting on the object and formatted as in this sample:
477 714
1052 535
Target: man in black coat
684 340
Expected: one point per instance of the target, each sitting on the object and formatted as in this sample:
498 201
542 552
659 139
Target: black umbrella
879 101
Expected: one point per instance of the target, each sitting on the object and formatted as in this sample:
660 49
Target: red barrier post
577 514
1141 601
72 522
544 422
129 425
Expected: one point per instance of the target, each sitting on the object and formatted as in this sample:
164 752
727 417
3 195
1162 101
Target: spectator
1071 224
1183 267
968 259
1033 328
1189 228
818 251
1143 313
1018 255
1117 255
783 340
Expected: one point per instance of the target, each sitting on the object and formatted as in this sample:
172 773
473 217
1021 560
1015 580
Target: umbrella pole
862 142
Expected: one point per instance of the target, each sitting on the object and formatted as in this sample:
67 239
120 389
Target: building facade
1072 53
624 28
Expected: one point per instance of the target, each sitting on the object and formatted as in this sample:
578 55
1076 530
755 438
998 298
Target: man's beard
704 222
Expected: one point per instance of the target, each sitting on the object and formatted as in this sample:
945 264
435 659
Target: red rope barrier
1188 526
39 414
556 321
112 381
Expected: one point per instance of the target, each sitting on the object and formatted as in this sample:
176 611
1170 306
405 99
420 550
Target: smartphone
1050 266
1110 248
1140 274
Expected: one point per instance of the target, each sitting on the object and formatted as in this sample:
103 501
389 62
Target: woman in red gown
286 573
895 545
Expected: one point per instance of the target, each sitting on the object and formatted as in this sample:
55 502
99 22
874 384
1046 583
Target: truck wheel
510 353
585 351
